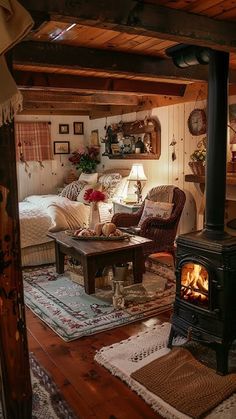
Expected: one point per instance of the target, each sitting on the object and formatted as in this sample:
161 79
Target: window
33 141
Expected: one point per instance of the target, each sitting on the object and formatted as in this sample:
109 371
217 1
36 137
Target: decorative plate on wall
197 122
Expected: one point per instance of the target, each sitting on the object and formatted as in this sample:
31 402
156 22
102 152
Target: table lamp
137 174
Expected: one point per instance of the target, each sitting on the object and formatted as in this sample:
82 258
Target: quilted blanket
42 213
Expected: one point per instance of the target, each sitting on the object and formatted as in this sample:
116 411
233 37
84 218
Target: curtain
33 141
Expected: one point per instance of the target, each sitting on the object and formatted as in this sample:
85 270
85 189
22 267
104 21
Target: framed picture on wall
61 147
63 128
94 138
78 128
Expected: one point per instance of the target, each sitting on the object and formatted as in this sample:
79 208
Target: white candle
233 147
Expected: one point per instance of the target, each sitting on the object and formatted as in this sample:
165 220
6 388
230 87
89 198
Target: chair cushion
155 209
72 190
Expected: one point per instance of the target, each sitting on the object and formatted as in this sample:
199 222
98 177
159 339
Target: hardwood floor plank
90 390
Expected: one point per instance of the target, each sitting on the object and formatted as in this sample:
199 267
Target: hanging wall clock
197 122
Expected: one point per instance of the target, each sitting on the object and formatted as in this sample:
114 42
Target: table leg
60 258
138 262
89 271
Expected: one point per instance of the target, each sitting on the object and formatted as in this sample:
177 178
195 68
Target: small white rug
129 355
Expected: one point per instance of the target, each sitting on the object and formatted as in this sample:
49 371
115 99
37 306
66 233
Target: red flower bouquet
85 160
93 195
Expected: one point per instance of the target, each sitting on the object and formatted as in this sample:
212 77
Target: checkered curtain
33 141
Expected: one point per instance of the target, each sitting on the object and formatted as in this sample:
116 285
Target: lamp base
139 191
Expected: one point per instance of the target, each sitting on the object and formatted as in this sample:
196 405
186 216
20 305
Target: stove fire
194 284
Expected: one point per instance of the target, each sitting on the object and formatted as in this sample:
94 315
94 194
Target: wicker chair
161 231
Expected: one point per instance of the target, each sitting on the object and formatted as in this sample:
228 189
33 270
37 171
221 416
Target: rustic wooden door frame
14 357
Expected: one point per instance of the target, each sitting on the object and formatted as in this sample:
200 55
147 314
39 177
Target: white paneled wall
173 121
46 180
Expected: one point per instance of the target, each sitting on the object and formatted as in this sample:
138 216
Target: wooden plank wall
173 121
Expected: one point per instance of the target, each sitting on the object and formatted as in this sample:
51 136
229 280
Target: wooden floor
90 389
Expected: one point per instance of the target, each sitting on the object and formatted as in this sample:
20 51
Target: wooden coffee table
95 255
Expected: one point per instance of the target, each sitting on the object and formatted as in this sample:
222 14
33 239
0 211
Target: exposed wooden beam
85 98
63 81
77 107
41 54
142 18
54 112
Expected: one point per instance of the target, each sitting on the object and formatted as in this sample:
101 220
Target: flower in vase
93 195
199 155
85 159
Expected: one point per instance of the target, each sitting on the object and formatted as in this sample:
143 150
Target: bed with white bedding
42 213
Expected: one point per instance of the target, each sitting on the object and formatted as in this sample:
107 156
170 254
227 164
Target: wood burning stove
205 303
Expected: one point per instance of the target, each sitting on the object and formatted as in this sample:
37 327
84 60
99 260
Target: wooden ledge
230 179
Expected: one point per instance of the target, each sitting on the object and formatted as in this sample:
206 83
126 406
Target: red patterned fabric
33 141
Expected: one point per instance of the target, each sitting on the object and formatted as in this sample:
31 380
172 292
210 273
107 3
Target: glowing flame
194 281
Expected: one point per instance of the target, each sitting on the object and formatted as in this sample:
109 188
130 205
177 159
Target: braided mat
184 383
186 378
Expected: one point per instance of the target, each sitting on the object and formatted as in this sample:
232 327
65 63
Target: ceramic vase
94 216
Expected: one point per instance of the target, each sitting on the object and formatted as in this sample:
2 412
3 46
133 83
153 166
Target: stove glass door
195 284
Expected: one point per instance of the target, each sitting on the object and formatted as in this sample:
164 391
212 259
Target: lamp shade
137 172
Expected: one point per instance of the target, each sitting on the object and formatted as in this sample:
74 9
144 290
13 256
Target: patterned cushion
72 190
109 183
90 178
156 209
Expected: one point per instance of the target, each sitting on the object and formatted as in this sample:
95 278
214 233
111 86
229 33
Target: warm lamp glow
137 174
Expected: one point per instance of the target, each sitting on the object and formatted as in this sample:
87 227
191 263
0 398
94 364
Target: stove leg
171 337
222 351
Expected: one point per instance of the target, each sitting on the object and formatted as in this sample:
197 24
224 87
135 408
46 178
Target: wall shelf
149 126
230 179
140 156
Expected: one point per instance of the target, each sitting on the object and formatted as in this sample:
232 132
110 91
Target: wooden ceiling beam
142 18
42 54
85 98
73 83
53 112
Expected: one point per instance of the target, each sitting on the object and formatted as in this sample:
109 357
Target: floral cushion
155 209
72 190
109 183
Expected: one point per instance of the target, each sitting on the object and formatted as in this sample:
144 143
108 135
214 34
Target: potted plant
85 160
198 158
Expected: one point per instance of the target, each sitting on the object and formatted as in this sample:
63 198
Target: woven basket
197 168
76 275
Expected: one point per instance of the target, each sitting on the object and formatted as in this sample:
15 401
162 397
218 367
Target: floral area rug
47 400
61 302
131 357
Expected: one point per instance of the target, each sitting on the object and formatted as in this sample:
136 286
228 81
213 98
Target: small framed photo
61 147
94 138
63 128
78 128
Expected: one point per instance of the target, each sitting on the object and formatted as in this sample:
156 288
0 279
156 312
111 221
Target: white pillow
156 209
90 178
80 196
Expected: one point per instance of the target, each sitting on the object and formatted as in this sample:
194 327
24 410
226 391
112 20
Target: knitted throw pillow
156 209
72 190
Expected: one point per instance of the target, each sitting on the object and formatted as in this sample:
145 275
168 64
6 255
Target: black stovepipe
217 109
